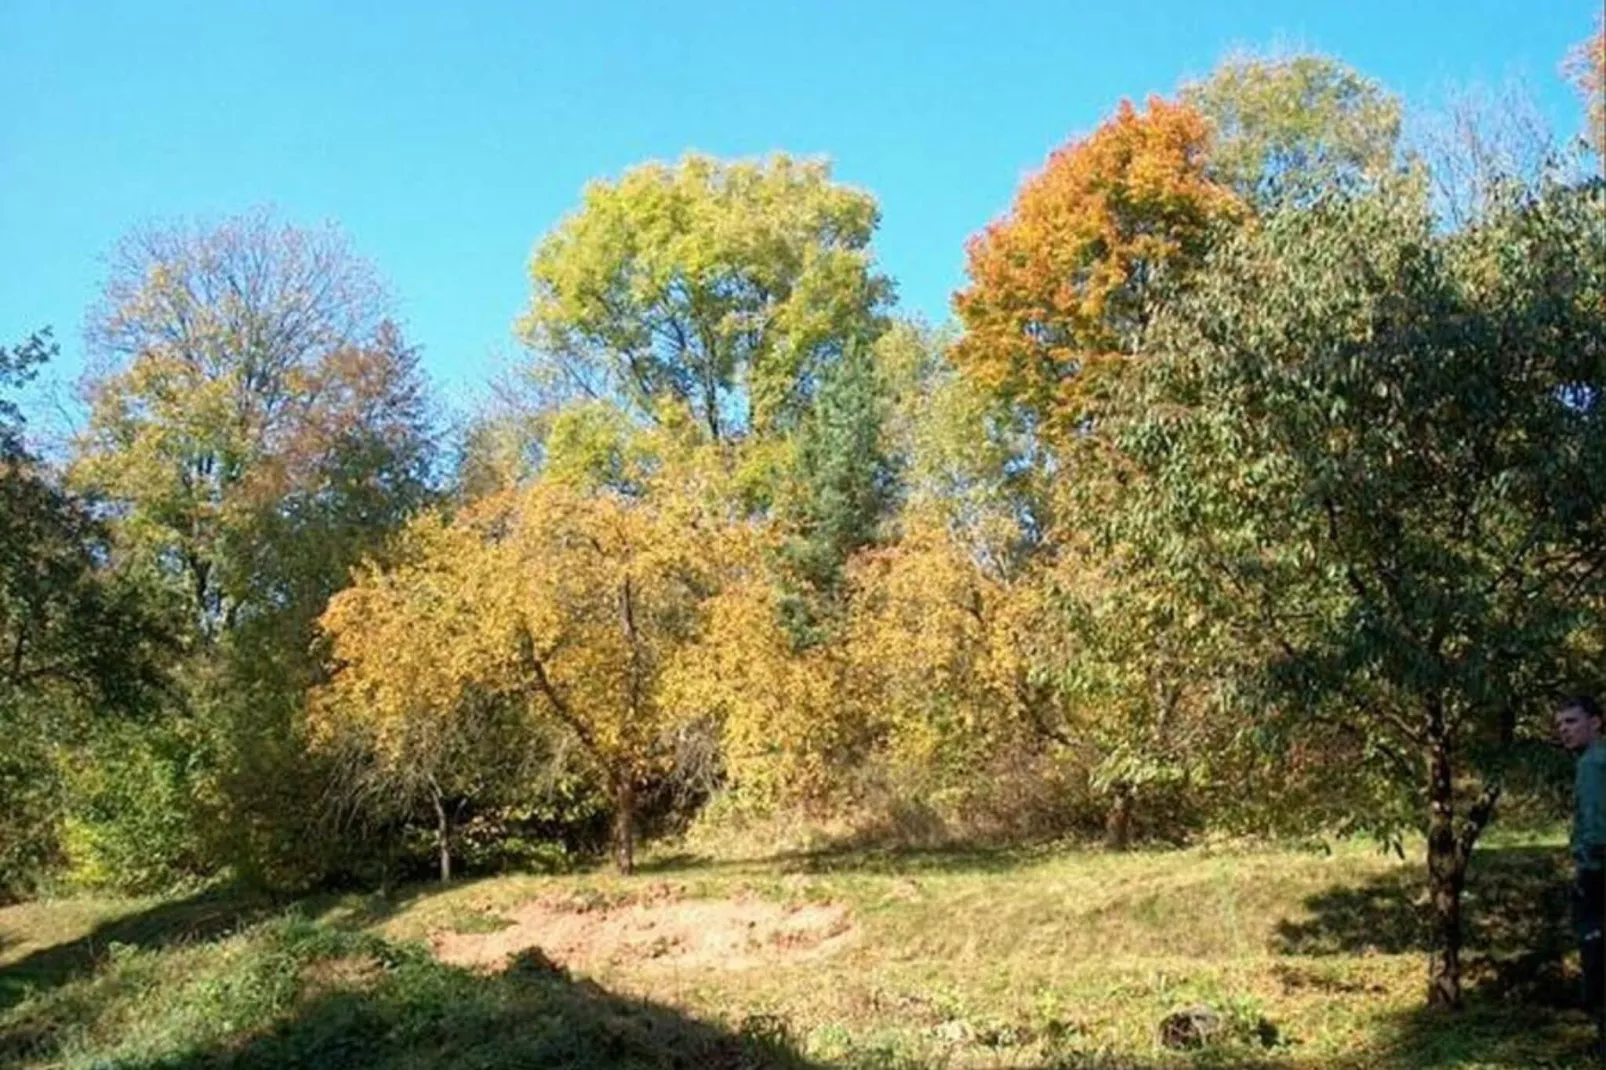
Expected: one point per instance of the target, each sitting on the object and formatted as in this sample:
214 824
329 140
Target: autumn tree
1066 283
245 376
412 717
793 724
577 605
1288 128
1373 449
1585 68
723 287
256 427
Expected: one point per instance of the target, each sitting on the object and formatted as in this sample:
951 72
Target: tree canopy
724 287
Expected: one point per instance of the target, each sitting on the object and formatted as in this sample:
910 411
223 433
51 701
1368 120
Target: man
1578 723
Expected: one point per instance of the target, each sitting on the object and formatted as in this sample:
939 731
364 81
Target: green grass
957 959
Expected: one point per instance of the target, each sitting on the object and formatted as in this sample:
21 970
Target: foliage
129 822
402 733
573 605
1066 283
790 720
844 489
250 395
725 287
1373 450
256 427
1585 67
65 624
1289 128
77 638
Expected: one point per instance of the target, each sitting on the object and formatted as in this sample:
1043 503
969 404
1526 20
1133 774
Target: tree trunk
443 833
1447 872
624 827
1118 822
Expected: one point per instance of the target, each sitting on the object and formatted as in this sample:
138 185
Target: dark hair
1584 704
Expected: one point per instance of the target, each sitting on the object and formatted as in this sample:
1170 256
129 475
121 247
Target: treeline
1260 486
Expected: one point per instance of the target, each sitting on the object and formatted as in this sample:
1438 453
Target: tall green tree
844 488
1375 451
724 287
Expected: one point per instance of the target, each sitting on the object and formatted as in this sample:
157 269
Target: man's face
1576 728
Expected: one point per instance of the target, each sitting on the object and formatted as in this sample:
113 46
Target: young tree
412 713
723 287
1374 450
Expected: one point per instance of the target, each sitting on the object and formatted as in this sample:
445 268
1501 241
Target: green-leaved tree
1376 451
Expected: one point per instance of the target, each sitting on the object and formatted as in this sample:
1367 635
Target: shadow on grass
1485 1033
1515 911
364 910
421 1015
1520 986
202 917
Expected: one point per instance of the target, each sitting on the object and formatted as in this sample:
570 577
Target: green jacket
1589 808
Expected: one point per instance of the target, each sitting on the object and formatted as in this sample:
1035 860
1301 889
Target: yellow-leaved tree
574 605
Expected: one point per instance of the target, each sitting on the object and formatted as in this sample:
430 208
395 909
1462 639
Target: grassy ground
950 959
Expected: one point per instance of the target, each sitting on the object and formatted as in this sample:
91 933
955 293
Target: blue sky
447 138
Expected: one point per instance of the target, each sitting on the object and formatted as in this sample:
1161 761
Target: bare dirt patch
707 933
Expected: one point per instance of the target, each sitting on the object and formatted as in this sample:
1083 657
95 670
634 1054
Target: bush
130 819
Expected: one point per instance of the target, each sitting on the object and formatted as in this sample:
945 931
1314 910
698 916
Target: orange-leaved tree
1585 67
1066 282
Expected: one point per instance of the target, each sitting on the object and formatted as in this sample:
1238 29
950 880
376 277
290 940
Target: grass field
954 958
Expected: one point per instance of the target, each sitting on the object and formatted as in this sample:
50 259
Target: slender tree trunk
1447 872
624 827
443 832
1118 822
624 818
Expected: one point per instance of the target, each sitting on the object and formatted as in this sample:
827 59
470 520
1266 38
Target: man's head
1578 722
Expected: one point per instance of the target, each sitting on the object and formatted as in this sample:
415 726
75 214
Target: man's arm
1591 803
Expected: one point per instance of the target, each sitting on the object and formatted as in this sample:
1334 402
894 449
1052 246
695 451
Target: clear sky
446 138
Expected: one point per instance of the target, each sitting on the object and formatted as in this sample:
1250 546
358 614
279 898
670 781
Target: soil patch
709 933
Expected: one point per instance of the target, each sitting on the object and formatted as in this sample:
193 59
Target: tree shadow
1515 913
421 1015
370 910
201 917
1521 990
1486 1032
